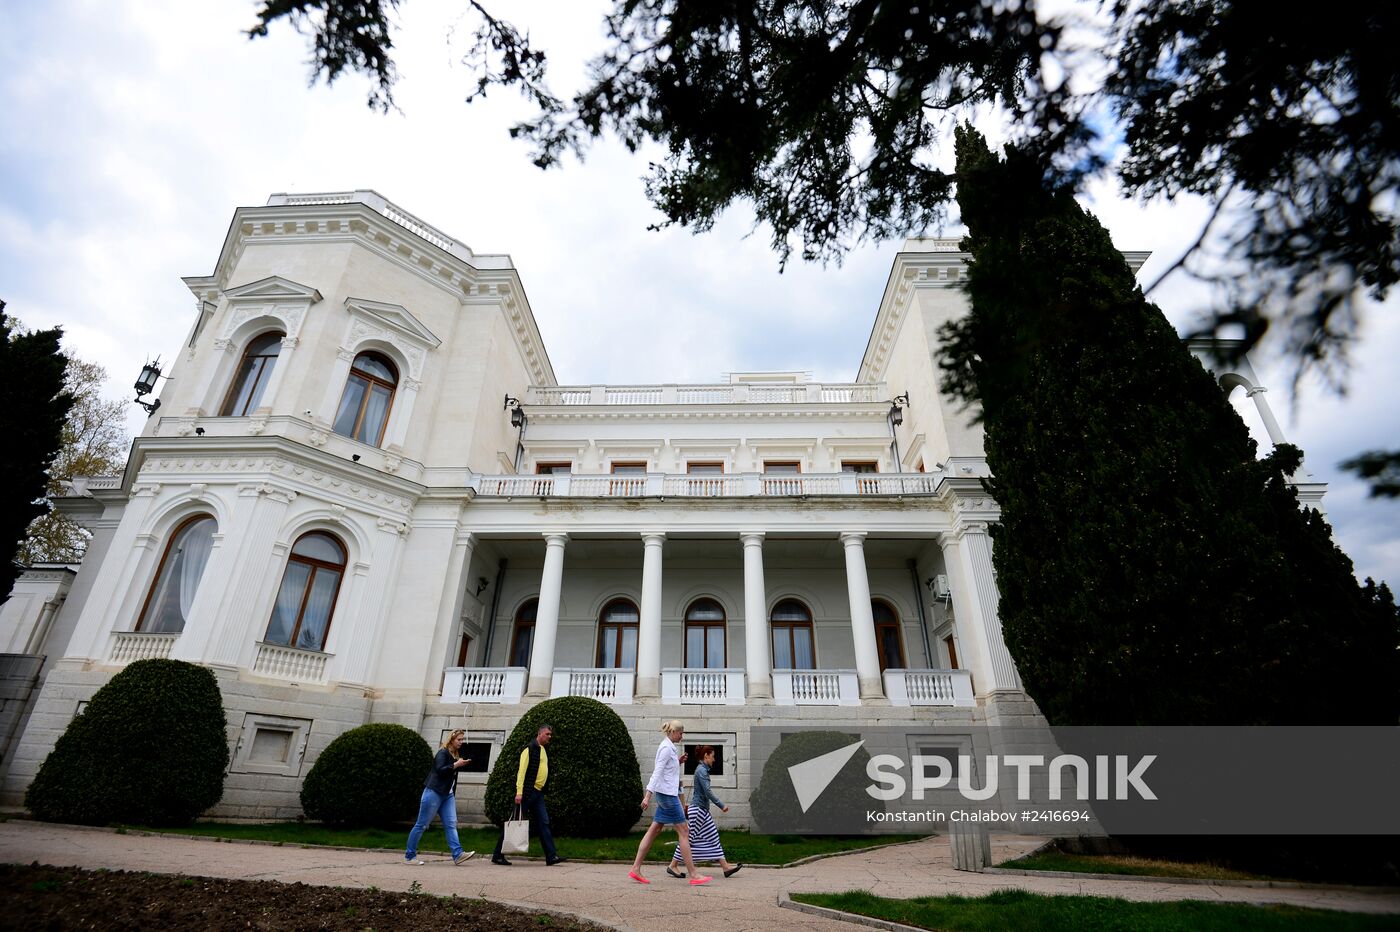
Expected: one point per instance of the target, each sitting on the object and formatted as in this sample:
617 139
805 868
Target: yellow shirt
540 776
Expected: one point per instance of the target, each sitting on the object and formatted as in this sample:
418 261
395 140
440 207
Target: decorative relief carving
257 425
393 527
317 438
345 353
392 463
222 346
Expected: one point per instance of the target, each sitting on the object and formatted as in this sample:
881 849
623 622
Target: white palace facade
365 497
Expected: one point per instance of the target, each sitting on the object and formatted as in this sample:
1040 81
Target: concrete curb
786 902
122 830
1197 881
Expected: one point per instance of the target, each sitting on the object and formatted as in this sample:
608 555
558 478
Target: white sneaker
414 862
464 857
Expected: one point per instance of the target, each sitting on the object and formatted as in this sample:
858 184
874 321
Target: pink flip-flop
697 881
638 877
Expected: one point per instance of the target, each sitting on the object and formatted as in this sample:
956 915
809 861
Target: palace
365 497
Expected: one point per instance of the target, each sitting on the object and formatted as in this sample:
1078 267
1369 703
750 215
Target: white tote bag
517 837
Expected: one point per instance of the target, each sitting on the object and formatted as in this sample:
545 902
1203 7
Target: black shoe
550 862
680 876
500 860
733 870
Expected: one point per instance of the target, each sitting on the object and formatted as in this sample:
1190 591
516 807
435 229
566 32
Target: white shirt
666 773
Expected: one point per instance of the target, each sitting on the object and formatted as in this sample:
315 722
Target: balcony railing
130 646
816 687
613 686
929 687
736 485
703 687
484 684
711 394
276 661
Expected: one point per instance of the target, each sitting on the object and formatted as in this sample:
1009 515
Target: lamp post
517 419
145 384
896 418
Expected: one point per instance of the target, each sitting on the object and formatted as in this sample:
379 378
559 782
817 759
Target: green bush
840 809
371 775
150 749
595 785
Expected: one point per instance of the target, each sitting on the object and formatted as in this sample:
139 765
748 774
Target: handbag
517 834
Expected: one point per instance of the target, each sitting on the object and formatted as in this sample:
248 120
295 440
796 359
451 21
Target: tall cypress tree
1151 569
31 422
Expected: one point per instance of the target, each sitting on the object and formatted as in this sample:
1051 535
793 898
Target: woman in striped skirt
704 835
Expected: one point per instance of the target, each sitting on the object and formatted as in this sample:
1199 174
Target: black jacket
442 779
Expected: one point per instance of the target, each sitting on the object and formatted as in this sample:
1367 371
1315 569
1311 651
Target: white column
967 552
862 617
335 387
649 628
449 616
212 381
756 639
547 616
1266 414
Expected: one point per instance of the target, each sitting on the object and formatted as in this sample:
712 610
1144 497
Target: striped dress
704 834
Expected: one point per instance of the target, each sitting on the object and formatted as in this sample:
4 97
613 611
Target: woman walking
440 796
704 834
665 786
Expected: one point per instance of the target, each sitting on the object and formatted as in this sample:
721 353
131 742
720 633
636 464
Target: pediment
394 317
274 288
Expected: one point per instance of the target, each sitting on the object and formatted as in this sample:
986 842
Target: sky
130 132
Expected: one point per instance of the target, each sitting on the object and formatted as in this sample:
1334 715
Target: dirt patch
39 897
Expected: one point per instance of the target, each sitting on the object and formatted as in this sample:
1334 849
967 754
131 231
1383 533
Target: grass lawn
1015 911
739 846
1124 864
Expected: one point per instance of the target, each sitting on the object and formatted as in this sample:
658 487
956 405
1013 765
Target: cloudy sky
129 132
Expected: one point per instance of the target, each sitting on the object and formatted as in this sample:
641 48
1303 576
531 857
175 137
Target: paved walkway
602 891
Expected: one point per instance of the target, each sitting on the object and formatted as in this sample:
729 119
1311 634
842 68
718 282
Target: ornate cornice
408 243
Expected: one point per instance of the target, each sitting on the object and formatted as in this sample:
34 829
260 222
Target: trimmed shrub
371 775
841 807
594 788
150 749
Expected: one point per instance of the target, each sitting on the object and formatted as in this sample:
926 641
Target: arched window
302 615
523 640
254 372
887 637
617 634
791 624
704 634
369 394
181 567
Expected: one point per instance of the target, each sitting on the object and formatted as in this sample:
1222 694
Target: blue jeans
446 809
532 803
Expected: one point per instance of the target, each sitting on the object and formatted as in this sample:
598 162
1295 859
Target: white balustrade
276 661
816 687
929 687
484 684
711 394
613 686
129 646
707 486
703 687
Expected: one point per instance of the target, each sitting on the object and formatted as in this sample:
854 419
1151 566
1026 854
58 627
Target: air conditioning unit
941 589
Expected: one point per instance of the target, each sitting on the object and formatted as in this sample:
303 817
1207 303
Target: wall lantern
145 384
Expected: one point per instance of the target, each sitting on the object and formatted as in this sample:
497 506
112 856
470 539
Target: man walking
529 794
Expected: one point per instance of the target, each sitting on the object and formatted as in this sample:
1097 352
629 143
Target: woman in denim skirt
665 786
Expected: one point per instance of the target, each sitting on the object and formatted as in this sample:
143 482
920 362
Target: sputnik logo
811 777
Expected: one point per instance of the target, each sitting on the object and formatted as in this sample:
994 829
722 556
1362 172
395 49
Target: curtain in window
376 412
284 613
199 541
318 609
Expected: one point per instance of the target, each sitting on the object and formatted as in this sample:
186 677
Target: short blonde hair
447 742
671 725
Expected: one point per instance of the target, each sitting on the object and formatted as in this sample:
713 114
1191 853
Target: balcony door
887 636
617 635
793 648
522 639
704 635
